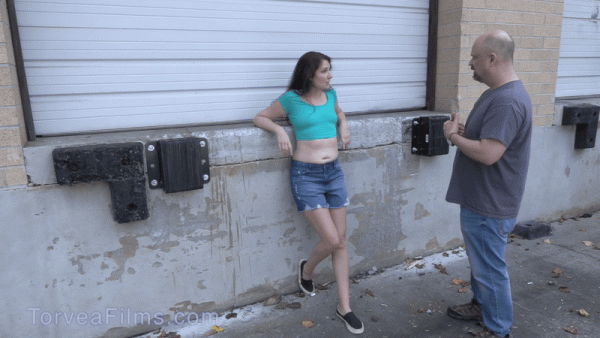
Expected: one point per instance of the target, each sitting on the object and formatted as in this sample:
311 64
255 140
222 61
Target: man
488 179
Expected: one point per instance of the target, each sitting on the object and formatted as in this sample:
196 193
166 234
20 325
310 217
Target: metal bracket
585 117
428 136
178 164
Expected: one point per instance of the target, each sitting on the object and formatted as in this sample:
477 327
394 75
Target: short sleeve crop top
311 122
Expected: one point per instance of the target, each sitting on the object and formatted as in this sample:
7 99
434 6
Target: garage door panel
112 64
579 57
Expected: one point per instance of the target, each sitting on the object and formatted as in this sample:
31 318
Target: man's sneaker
353 324
305 285
469 311
486 333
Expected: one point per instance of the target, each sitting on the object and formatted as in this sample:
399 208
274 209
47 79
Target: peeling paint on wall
129 247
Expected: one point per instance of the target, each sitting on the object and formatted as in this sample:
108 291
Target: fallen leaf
294 305
308 323
457 281
462 290
583 313
441 268
421 310
557 273
272 300
322 287
300 294
564 289
281 305
355 281
370 293
583 230
163 335
445 254
572 329
465 283
217 328
588 243
547 241
231 315
420 266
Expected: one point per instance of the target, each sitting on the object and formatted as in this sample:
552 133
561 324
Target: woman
318 184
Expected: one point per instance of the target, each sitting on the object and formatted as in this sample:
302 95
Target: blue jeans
317 186
485 242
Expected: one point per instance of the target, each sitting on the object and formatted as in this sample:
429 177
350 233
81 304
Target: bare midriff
316 151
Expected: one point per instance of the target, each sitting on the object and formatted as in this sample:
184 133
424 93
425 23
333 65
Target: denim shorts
317 186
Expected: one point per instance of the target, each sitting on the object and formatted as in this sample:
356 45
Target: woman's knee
336 243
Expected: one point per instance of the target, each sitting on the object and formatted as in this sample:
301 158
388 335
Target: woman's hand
285 145
344 137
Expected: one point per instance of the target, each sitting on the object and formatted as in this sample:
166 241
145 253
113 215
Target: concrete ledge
227 144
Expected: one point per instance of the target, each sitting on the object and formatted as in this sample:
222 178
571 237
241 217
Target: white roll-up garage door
95 65
579 61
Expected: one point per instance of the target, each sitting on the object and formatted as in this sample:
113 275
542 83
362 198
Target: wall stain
420 212
129 247
432 244
164 246
567 171
77 261
379 226
187 306
201 285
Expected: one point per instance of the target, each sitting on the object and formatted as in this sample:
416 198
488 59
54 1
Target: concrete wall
238 240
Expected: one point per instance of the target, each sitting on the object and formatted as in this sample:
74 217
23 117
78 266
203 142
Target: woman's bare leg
330 224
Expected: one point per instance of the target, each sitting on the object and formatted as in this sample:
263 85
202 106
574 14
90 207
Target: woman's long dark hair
305 70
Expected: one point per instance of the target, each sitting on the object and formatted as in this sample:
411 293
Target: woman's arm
343 126
265 120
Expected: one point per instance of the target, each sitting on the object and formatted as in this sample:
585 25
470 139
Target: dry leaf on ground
231 315
441 268
462 290
308 323
564 289
572 329
370 293
547 241
583 313
457 281
557 273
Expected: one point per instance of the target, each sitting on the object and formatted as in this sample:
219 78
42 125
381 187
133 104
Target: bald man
488 179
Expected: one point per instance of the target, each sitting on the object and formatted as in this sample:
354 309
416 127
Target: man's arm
486 151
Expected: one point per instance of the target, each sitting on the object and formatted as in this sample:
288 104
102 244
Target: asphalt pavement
555 287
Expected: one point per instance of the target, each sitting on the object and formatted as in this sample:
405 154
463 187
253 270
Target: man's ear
493 57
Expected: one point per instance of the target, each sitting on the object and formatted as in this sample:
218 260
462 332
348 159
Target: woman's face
322 76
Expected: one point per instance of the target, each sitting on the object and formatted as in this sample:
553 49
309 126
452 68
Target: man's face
479 62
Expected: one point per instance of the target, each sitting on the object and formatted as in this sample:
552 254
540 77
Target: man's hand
452 126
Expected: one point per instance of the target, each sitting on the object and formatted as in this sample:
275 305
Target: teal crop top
311 122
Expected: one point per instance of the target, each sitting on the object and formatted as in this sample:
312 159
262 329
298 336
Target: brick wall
534 25
12 126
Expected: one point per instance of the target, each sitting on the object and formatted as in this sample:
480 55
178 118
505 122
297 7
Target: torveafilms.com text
119 316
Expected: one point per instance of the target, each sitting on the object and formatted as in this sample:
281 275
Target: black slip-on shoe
306 285
353 324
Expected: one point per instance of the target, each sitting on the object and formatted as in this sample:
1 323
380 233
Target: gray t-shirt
495 191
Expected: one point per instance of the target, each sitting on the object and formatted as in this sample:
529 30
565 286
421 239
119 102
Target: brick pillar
534 25
13 135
